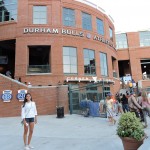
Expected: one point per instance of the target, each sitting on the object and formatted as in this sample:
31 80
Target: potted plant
131 131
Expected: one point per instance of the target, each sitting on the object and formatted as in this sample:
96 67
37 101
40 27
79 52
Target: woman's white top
29 110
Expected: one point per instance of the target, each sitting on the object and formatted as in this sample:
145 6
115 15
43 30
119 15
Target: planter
131 143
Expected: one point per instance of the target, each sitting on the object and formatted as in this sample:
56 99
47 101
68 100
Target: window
68 17
121 41
106 90
8 10
89 62
39 15
111 34
144 38
70 60
100 26
39 58
86 21
103 64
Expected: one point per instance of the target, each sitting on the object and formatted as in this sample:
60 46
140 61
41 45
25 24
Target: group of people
139 104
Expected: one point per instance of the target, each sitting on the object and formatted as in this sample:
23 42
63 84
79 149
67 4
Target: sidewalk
73 132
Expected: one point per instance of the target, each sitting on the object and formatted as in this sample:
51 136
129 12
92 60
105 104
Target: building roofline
96 7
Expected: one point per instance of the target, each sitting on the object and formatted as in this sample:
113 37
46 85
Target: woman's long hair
144 96
25 99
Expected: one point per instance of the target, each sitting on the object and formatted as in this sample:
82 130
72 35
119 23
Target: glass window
103 64
144 38
121 41
8 10
86 21
111 34
70 60
89 62
39 58
68 17
100 26
39 15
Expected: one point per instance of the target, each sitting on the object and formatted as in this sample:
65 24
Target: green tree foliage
130 126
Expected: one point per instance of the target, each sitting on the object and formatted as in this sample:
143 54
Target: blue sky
128 15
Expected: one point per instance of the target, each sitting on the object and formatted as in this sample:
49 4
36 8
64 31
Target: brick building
134 57
55 44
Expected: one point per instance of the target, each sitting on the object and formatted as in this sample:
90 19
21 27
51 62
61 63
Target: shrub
130 126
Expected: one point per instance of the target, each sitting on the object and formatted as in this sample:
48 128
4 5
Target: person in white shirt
29 116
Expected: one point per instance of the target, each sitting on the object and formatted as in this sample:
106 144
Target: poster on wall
6 96
21 94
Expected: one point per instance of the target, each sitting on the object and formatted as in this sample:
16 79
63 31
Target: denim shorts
28 120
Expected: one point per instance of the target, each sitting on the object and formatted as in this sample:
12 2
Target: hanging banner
6 96
21 94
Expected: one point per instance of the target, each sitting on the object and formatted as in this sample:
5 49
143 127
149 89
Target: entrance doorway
7 56
94 92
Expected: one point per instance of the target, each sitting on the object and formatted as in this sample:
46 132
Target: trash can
60 112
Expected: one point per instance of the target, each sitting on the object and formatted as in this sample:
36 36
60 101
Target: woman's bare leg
31 125
25 134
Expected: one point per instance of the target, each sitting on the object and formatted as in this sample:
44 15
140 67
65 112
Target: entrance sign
68 32
21 94
7 95
88 79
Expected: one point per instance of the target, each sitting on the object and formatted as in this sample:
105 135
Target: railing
146 76
96 7
39 69
115 74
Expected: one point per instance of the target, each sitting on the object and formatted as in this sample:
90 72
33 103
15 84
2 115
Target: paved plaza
73 132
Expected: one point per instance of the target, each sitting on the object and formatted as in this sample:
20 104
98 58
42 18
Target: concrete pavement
73 132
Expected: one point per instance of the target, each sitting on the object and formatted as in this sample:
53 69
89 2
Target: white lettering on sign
68 32
72 32
101 39
83 79
41 30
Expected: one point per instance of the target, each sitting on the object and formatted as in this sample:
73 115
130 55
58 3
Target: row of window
70 62
8 11
40 17
39 60
122 42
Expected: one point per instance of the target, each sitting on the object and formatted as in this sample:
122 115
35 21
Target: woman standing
110 108
145 106
29 116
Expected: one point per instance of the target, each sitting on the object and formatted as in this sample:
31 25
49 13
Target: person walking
133 104
124 101
29 116
119 105
146 106
110 109
139 100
